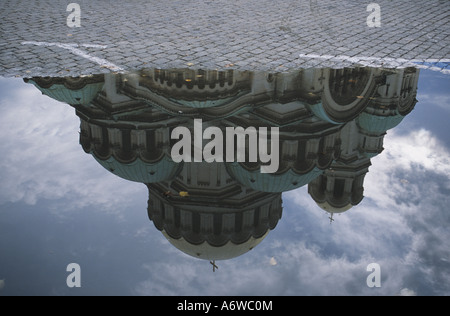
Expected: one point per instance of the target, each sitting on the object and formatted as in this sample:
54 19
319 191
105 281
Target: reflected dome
378 124
69 90
197 88
139 155
140 171
306 149
345 94
214 226
337 191
332 209
187 92
206 251
396 97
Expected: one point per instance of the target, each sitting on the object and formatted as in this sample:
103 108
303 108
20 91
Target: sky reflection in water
59 205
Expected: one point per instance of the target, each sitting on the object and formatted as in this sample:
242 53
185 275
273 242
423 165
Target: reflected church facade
331 123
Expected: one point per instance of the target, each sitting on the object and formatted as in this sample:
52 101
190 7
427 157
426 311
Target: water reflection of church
331 122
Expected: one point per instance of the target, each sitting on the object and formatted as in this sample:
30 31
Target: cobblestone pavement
241 34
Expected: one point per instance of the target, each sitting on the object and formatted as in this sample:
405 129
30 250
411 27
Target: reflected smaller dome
208 252
340 188
331 209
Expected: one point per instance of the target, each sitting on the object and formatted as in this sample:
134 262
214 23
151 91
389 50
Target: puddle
273 167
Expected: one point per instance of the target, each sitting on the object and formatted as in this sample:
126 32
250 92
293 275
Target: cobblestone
250 34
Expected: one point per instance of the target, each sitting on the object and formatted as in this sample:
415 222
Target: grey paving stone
252 34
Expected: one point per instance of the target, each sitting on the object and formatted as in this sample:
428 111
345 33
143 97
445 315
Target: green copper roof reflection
378 124
371 155
82 96
319 111
140 171
200 104
206 103
273 183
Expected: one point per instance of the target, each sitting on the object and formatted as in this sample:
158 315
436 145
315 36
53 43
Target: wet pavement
244 35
